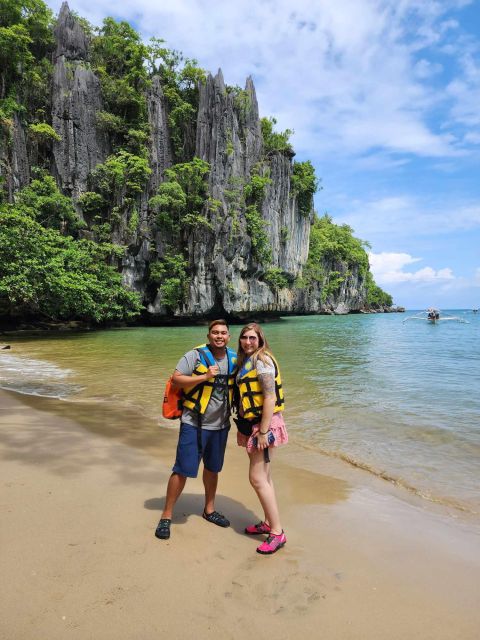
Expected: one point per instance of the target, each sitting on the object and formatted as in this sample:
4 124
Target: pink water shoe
255 529
273 543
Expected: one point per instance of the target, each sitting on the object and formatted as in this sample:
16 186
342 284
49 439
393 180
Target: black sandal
217 518
163 529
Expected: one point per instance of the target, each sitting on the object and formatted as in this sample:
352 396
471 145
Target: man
206 376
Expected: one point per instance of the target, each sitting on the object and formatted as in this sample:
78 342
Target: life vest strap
279 399
249 393
195 395
249 378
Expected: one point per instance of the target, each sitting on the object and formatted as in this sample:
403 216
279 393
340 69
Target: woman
260 406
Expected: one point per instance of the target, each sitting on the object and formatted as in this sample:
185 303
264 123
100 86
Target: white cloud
388 268
348 76
472 137
384 262
404 215
426 69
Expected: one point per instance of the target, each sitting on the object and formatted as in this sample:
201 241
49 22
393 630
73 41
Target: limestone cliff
226 275
76 100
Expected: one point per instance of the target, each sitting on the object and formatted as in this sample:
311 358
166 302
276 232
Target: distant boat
434 316
475 310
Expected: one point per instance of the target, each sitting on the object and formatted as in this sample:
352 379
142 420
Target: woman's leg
270 481
261 481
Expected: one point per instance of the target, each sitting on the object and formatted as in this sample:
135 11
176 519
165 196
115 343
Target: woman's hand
262 440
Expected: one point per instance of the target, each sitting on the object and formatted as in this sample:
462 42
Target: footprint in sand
278 589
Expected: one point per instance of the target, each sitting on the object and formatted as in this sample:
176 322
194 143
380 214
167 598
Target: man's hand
212 371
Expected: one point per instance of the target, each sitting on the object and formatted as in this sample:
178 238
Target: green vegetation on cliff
45 270
42 201
335 243
179 206
118 57
276 278
304 186
332 244
376 297
44 274
275 141
125 66
180 86
26 41
180 200
116 187
253 193
170 274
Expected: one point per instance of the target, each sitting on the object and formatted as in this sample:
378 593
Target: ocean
399 399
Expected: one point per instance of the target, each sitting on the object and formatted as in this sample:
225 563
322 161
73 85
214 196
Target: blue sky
384 99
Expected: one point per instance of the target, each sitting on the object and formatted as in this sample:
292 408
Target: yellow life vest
197 396
250 390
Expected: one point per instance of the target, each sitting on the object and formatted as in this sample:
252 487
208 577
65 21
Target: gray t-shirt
266 367
217 413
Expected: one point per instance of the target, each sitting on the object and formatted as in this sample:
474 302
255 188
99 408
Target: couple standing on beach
215 379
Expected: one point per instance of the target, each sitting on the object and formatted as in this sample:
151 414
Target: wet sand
81 493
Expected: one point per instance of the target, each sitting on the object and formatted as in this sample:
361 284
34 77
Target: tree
49 275
273 140
42 201
304 185
171 274
25 37
180 199
336 242
376 297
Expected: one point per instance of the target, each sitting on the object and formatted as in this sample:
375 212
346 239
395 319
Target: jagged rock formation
160 147
14 161
76 100
135 264
225 275
350 296
19 175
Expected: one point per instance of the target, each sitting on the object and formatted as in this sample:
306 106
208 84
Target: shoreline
81 503
72 326
406 491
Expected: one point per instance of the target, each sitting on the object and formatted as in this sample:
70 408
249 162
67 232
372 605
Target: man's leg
214 443
186 465
175 487
210 482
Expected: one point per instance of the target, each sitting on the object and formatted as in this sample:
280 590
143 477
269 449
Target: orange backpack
172 401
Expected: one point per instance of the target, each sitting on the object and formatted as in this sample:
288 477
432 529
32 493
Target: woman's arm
267 382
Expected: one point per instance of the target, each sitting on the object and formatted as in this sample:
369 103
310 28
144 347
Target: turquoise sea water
400 399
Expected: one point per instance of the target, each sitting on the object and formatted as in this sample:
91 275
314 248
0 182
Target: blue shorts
188 456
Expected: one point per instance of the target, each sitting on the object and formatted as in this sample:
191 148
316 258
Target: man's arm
182 380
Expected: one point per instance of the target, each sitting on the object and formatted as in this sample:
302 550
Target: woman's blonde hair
263 350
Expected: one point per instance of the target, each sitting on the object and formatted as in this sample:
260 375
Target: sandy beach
81 499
